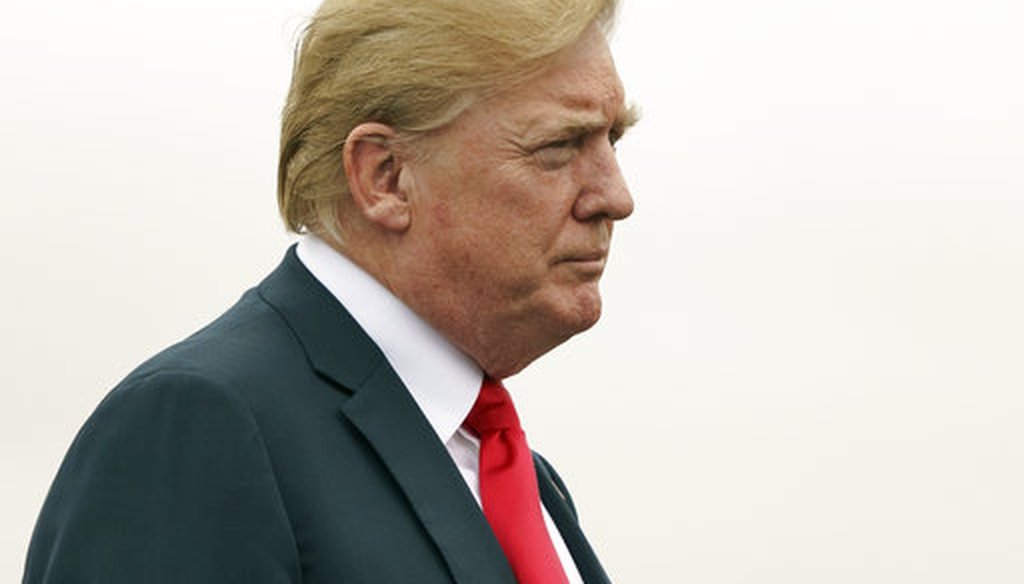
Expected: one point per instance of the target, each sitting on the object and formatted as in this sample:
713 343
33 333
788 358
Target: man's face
516 199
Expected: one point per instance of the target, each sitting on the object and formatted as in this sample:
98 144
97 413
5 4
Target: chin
583 314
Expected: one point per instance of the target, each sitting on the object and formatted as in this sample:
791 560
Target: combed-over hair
414 65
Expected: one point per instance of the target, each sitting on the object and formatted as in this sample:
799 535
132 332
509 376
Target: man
451 168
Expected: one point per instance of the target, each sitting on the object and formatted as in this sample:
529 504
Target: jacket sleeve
168 481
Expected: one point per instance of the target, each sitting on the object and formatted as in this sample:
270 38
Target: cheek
504 217
535 207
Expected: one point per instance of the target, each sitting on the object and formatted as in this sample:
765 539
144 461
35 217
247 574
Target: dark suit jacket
274 445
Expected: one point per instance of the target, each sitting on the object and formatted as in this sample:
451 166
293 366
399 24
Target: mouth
586 262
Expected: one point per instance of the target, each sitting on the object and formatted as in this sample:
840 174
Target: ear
373 163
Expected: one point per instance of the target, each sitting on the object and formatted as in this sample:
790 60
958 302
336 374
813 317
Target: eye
614 135
558 153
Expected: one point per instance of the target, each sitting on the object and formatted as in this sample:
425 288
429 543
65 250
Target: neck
499 343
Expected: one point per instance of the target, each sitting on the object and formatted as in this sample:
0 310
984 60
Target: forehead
581 86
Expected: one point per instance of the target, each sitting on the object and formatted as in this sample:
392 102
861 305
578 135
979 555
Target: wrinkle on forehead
581 91
584 78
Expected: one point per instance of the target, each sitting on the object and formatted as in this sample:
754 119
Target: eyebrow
627 117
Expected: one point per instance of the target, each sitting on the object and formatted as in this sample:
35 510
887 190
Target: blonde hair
414 65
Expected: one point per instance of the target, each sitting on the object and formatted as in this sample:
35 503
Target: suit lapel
558 504
393 424
381 408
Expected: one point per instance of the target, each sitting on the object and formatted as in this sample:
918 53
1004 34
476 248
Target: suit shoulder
169 466
242 334
238 353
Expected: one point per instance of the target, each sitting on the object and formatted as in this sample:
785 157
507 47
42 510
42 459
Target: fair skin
499 234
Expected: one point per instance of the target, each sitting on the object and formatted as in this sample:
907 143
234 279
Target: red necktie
508 488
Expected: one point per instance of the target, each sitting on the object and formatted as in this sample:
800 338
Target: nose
603 192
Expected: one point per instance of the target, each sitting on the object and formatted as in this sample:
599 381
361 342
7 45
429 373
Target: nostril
627 205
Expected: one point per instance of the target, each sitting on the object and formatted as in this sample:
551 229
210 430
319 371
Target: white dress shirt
443 381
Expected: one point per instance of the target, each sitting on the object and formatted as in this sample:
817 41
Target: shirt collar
443 381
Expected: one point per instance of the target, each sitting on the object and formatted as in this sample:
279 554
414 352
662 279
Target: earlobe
373 165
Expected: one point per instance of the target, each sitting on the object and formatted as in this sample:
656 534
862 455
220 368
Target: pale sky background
811 363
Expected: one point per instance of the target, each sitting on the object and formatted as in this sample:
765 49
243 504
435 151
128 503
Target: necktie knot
493 410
